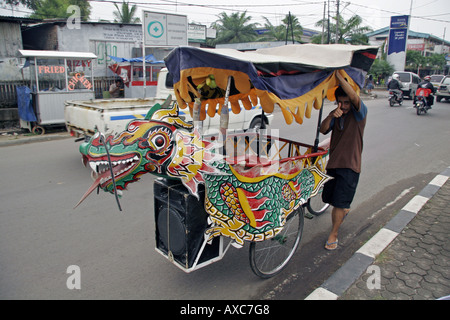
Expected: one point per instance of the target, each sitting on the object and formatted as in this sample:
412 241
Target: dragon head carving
243 203
162 143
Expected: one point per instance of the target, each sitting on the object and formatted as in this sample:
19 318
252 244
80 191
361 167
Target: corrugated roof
18 19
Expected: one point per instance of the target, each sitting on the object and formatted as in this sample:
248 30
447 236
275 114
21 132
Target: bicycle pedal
308 215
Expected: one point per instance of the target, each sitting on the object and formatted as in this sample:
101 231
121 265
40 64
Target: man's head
427 78
343 100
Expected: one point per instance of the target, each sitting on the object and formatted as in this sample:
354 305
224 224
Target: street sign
197 33
164 30
398 36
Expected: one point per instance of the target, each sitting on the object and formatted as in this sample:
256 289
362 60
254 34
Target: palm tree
278 33
126 14
350 31
274 33
235 28
294 27
415 60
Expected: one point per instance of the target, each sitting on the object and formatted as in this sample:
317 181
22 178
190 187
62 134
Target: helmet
428 78
395 76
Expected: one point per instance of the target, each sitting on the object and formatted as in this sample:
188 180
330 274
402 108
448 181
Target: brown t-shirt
346 143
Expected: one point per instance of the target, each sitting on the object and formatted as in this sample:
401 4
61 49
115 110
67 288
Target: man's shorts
339 192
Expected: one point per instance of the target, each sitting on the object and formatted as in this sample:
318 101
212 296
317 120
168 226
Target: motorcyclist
426 84
395 86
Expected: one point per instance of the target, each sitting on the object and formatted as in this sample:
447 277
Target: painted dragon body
243 203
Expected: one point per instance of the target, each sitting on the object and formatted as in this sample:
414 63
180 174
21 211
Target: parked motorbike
395 97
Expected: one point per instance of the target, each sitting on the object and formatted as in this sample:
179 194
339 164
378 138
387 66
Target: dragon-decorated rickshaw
232 187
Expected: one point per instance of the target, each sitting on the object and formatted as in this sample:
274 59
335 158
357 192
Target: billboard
197 33
398 36
164 30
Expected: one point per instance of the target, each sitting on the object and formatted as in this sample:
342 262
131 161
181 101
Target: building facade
424 42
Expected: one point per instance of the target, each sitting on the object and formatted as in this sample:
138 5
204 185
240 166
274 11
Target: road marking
378 243
439 180
322 294
415 204
387 205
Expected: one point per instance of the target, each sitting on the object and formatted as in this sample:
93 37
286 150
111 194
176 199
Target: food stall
56 76
131 71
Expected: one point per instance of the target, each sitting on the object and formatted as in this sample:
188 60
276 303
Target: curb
337 284
22 140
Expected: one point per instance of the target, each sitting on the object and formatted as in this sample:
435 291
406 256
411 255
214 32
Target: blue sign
397 40
398 36
399 22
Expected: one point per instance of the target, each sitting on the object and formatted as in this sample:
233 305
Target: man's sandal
331 246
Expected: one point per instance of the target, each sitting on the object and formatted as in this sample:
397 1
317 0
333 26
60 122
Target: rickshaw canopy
294 77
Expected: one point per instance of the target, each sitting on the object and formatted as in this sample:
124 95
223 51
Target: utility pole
328 23
323 22
337 23
290 25
292 28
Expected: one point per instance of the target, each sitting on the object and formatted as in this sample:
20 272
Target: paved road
41 235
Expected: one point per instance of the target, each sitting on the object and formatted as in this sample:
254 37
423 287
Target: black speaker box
181 221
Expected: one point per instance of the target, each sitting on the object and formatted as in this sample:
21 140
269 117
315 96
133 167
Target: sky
428 16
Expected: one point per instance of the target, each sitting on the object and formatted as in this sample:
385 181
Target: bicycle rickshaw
230 186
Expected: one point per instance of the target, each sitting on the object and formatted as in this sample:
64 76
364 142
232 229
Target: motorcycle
395 97
421 102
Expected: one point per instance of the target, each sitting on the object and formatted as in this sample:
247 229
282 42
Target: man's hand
354 98
337 113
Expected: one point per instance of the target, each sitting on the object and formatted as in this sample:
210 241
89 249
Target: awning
56 54
294 77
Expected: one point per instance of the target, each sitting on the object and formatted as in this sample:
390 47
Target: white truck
83 118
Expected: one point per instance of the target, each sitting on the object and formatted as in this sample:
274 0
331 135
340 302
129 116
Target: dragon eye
158 140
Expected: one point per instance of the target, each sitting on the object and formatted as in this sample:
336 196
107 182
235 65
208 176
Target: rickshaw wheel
315 204
269 257
38 130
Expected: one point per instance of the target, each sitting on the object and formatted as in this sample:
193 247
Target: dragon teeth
101 166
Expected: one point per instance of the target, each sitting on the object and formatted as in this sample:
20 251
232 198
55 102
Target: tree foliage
126 14
278 33
54 9
437 62
234 28
350 31
416 61
381 69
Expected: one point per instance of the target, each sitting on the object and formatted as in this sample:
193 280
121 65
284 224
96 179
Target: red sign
79 63
416 46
